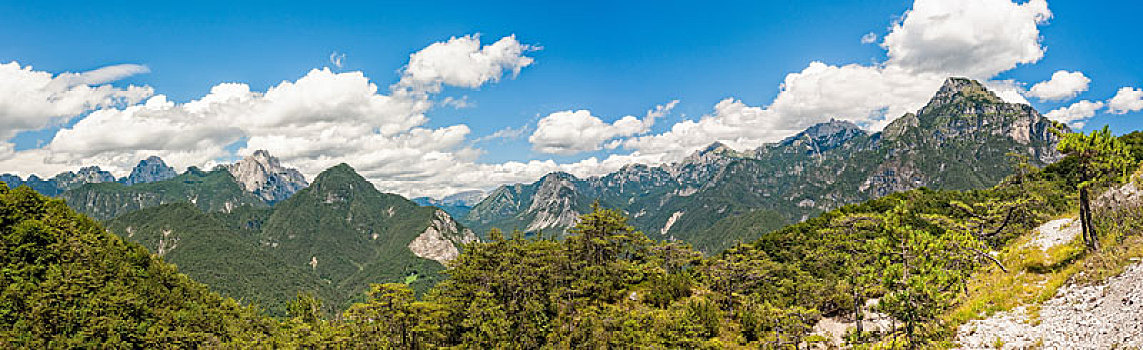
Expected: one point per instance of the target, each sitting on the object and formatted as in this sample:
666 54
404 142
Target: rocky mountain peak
85 175
554 202
961 89
150 170
263 175
827 135
710 154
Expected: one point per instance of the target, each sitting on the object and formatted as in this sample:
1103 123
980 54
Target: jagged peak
955 88
150 169
715 149
557 176
827 131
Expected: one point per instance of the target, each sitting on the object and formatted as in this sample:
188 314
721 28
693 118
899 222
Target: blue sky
612 60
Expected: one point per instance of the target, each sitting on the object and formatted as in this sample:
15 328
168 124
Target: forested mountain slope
67 283
332 239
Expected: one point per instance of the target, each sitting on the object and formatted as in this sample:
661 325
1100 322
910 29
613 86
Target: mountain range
961 139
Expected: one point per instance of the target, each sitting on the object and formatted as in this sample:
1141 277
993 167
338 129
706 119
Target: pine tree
1102 159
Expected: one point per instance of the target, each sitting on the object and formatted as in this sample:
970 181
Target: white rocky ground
835 328
1104 316
1055 232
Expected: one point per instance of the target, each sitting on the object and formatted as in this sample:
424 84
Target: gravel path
1105 316
1055 232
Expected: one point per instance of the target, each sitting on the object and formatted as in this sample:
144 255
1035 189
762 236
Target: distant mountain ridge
457 204
959 140
257 180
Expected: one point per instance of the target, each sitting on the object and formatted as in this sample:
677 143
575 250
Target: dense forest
67 282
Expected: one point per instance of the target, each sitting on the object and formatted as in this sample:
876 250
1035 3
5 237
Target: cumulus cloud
869 38
1063 85
1076 114
571 132
975 38
321 114
32 100
507 133
337 59
1126 100
462 62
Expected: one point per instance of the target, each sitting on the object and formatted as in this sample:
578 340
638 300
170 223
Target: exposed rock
86 175
440 240
553 203
264 176
1104 316
150 170
835 328
824 136
671 222
1054 233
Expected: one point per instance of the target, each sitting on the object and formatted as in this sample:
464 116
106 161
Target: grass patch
1034 275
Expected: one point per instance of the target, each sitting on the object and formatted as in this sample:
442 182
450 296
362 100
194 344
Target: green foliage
67 283
1101 159
262 256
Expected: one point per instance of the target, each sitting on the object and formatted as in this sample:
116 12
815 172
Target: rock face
264 176
150 170
960 140
440 240
1105 316
86 175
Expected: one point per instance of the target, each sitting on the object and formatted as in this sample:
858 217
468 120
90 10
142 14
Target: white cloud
320 115
32 100
1076 114
975 38
1063 85
869 38
571 132
462 62
312 123
337 59
1126 100
507 133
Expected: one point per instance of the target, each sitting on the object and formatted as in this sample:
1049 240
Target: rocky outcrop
441 239
149 170
264 176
